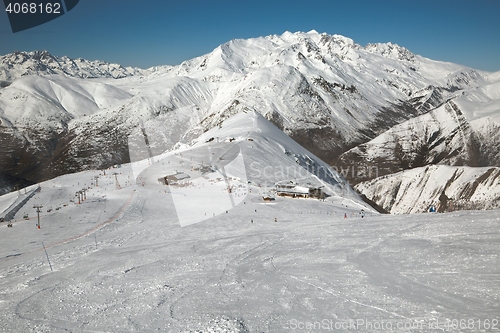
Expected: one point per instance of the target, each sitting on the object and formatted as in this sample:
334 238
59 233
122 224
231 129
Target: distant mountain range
18 64
377 107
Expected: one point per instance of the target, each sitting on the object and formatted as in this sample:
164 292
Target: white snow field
121 263
131 257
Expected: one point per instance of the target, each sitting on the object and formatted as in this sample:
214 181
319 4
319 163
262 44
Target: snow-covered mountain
416 190
465 130
325 91
19 64
36 113
244 149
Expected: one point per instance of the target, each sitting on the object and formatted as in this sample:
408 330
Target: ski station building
173 179
294 190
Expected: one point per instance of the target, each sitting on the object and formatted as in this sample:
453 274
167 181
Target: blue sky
159 32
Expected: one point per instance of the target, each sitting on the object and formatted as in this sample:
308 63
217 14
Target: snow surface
448 132
140 256
48 102
121 262
18 64
325 90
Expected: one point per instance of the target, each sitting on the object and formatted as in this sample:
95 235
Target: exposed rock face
457 133
445 187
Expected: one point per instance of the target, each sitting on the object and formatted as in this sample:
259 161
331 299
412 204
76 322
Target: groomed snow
121 262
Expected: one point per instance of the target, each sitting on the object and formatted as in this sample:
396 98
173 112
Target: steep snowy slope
36 113
415 190
245 149
463 131
51 102
326 91
247 152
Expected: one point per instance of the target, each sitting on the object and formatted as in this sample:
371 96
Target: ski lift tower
38 210
148 146
117 185
79 195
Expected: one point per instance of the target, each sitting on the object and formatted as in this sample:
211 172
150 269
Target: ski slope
243 149
121 262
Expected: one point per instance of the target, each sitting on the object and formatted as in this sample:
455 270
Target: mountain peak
390 50
312 32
